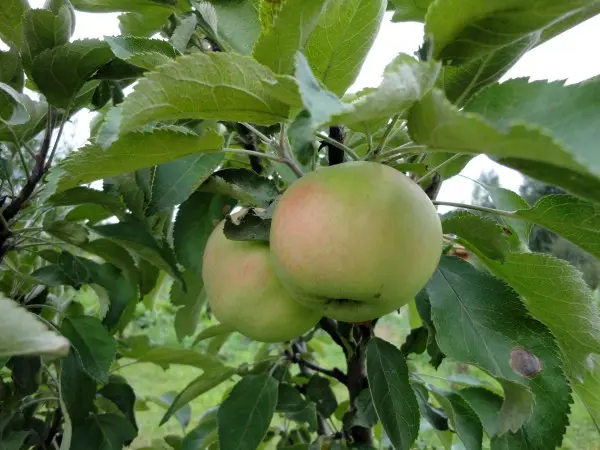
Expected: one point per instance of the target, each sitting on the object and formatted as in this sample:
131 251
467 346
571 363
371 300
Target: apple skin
356 240
244 293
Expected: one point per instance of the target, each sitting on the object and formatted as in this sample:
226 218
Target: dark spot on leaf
524 363
507 231
378 295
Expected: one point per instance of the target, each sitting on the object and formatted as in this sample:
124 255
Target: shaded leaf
480 320
174 182
11 15
211 332
251 227
43 30
77 388
195 221
245 415
131 152
144 23
22 333
61 72
486 405
94 347
191 302
232 87
318 389
183 32
103 432
83 195
464 420
204 434
393 398
244 185
135 237
122 395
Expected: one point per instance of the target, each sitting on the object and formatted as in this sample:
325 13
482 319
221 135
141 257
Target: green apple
356 240
244 293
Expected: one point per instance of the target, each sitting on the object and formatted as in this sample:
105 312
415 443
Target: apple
355 240
244 293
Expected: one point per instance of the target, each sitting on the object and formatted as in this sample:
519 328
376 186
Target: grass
149 380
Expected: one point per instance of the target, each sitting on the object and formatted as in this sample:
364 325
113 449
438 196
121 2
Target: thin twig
498 212
63 122
239 151
439 166
409 147
386 134
333 373
351 153
260 135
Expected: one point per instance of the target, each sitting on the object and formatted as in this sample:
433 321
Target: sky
566 57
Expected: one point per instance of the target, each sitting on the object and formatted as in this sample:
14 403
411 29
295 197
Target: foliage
231 103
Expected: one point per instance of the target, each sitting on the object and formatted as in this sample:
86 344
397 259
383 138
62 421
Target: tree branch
335 154
498 212
345 148
333 373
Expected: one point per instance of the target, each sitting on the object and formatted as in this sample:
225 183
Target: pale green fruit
244 293
356 240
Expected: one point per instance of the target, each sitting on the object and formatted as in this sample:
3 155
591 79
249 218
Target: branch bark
27 190
335 154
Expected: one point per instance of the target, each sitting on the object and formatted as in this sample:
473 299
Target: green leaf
588 389
238 24
126 186
393 398
572 124
486 405
22 333
232 87
433 121
556 295
142 52
277 45
131 152
365 416
70 232
116 255
251 227
204 383
191 302
11 14
11 71
320 103
103 6
463 418
481 232
15 441
20 133
195 221
462 30
135 237
43 30
144 23
183 33
174 182
12 110
122 395
510 201
211 332
93 345
574 219
103 432
244 185
182 415
481 321
84 195
204 434
63 70
405 80
245 415
435 416
165 356
77 389
318 389
338 46
409 10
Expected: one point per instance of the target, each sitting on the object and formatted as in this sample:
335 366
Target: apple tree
228 159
